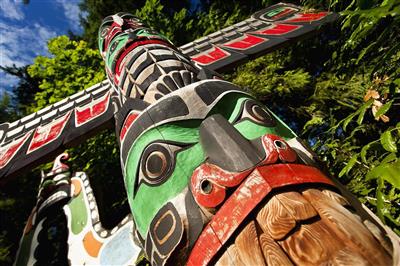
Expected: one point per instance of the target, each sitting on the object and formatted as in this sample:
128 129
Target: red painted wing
38 137
264 31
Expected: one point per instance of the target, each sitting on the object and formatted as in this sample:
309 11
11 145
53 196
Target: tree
6 111
24 91
341 93
167 12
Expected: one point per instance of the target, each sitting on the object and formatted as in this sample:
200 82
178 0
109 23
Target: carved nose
225 146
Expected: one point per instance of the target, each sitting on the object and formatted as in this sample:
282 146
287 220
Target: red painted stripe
112 32
211 57
219 178
279 29
92 110
127 124
308 17
249 194
228 218
9 151
45 134
245 42
279 175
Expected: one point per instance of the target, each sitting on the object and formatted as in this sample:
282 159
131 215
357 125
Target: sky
26 28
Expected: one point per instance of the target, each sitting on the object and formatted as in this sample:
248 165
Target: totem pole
212 176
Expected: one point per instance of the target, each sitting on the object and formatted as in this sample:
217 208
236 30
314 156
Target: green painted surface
252 130
144 205
275 11
146 33
186 161
79 213
283 130
229 106
144 212
121 40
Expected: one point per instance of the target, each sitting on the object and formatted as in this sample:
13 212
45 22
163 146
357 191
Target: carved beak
225 147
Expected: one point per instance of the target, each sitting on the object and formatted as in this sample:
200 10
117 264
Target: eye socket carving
259 113
157 163
280 144
256 113
104 31
206 186
113 47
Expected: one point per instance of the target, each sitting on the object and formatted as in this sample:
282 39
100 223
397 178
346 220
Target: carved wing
40 136
264 31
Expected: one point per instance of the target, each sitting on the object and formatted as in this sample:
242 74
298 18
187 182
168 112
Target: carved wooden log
321 230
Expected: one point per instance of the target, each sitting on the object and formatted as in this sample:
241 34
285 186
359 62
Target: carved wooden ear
225 146
165 233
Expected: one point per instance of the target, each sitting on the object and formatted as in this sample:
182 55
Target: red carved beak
253 188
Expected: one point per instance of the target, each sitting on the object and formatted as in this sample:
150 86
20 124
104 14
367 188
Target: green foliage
372 34
171 17
172 25
217 18
71 68
369 134
17 198
340 91
267 77
6 110
24 91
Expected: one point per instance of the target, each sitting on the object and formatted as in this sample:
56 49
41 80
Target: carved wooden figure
211 175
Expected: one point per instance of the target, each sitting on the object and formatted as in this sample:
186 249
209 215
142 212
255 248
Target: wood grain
275 219
312 227
349 228
225 260
248 246
273 253
312 244
378 234
347 257
336 197
298 207
230 257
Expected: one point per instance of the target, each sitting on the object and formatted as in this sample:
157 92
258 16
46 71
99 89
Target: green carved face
161 160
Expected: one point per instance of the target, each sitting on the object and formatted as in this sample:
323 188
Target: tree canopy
340 91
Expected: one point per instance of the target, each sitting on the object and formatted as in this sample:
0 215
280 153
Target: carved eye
258 114
157 163
113 47
136 22
104 32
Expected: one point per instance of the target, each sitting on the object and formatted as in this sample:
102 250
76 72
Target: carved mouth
249 194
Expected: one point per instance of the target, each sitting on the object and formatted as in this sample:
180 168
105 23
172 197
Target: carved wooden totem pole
211 175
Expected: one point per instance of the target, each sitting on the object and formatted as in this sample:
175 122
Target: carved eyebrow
163 110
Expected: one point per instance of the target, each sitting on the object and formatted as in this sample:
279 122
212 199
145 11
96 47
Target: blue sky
25 30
